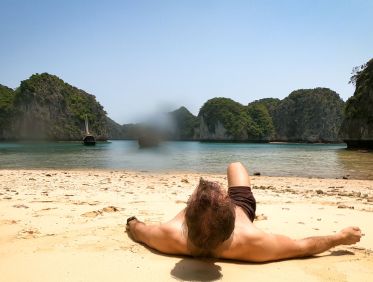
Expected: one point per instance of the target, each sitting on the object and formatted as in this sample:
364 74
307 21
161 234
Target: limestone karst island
44 107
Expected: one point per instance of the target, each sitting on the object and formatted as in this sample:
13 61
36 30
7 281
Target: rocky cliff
306 115
357 127
7 110
178 125
309 115
186 125
44 107
114 130
219 132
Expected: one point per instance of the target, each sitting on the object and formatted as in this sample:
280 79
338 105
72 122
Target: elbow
304 249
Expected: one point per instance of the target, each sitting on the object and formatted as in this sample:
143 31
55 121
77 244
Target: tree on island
309 115
242 123
44 107
357 127
186 125
231 115
7 109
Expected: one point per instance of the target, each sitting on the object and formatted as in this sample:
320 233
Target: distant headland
44 107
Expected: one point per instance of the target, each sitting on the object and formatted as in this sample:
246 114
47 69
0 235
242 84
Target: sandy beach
69 225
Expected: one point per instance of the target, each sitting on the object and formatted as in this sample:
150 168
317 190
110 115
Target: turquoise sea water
309 160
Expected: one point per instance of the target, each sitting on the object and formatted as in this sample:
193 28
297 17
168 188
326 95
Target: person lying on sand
218 223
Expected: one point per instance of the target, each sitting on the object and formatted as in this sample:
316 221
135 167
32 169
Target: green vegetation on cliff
357 127
7 109
360 104
232 115
262 120
309 115
45 107
185 124
270 103
49 109
306 115
242 123
115 131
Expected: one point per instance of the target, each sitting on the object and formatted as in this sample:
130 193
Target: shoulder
239 242
174 239
246 243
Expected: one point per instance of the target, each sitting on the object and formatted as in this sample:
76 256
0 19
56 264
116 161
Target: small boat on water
89 139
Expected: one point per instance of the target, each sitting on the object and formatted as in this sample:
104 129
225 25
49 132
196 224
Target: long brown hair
209 217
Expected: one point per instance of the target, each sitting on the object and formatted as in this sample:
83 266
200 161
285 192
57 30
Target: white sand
68 225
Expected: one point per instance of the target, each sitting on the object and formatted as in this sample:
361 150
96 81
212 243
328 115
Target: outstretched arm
270 247
154 236
166 237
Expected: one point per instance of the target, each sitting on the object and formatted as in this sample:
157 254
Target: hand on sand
131 221
350 235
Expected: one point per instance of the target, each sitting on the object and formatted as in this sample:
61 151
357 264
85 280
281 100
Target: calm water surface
310 160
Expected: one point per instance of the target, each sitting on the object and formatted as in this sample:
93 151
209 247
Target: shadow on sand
189 269
192 269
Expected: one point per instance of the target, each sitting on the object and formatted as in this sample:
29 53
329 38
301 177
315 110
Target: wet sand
69 225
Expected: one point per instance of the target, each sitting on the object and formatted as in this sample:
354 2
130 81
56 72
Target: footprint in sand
20 206
111 209
28 233
9 221
48 209
92 213
101 211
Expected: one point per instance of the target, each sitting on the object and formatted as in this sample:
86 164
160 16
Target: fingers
354 229
130 219
358 231
128 230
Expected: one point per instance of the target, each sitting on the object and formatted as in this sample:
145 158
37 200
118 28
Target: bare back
237 245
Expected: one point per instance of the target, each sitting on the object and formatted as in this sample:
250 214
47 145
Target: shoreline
167 171
68 225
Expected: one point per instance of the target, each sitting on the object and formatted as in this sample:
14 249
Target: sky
141 57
